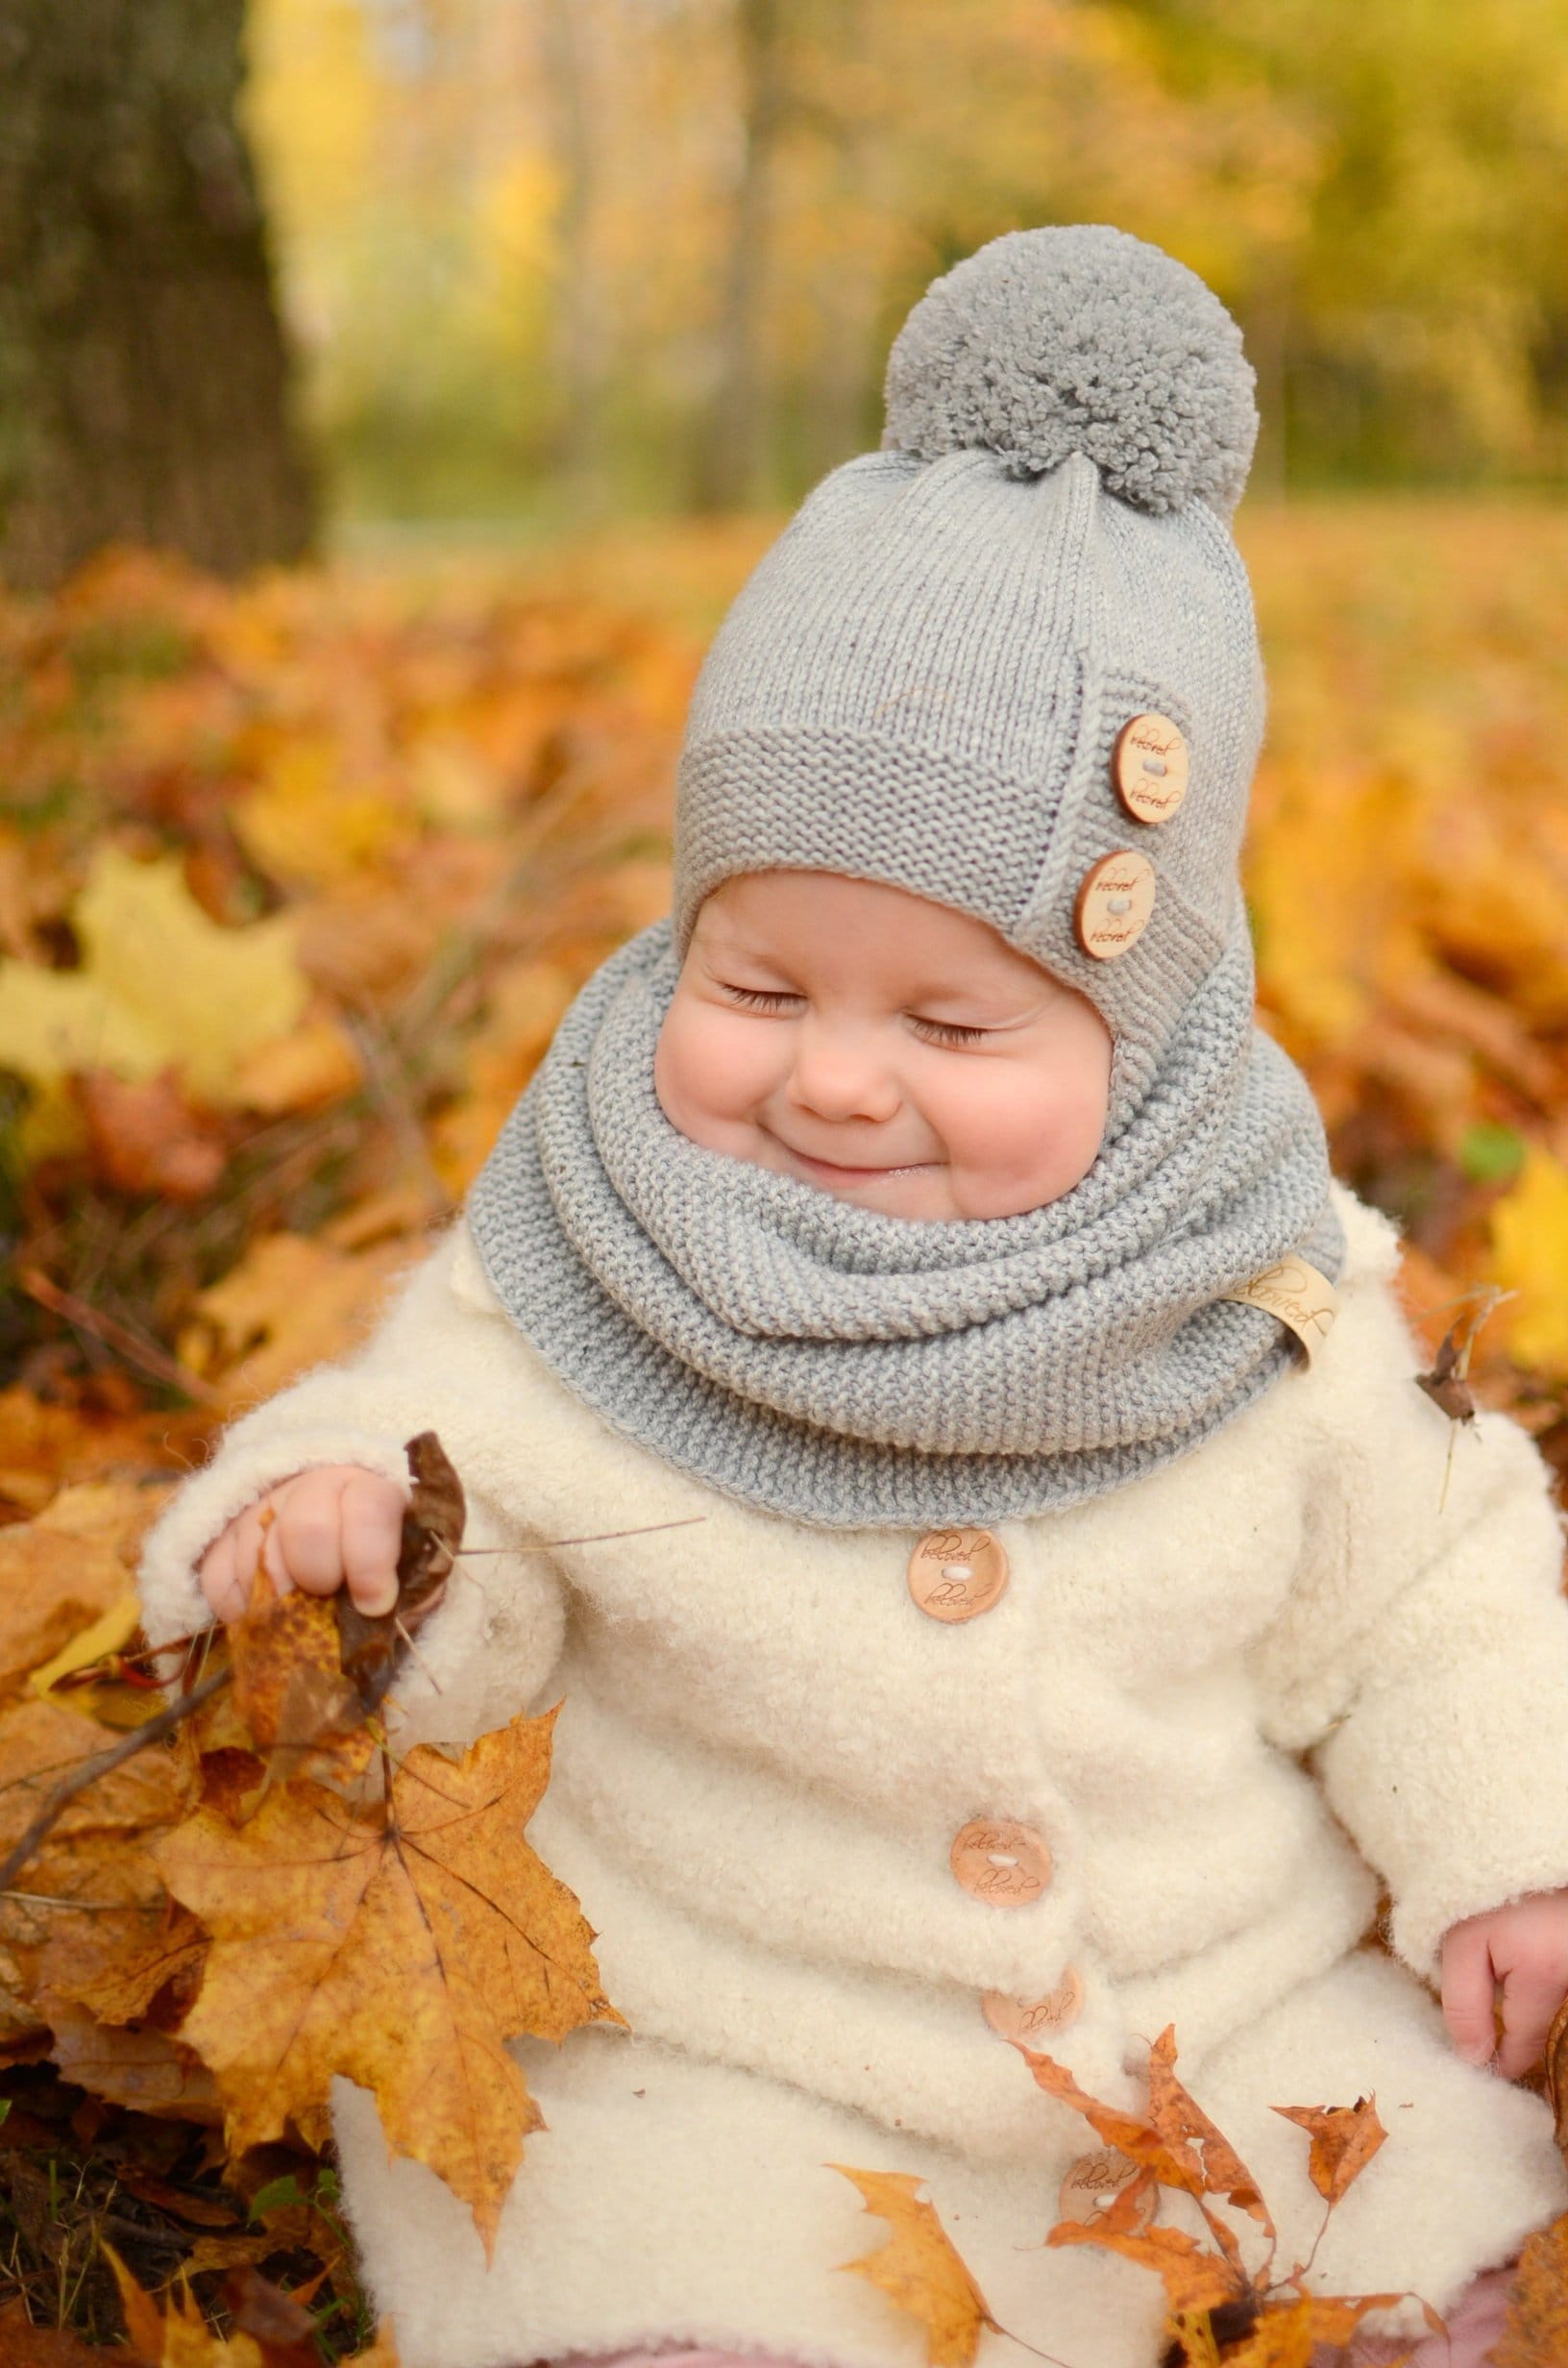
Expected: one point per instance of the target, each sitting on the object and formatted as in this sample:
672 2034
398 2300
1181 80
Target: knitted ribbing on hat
852 1368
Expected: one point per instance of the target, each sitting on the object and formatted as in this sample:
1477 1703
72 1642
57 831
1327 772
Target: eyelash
935 1031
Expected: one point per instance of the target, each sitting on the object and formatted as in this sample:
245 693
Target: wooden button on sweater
956 1574
1000 1861
1029 2022
1149 767
1094 2182
1115 897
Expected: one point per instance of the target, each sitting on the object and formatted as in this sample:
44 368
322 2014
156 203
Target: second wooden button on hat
1115 897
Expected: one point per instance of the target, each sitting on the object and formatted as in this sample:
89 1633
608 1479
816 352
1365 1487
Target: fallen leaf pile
1217 2308
265 1898
296 880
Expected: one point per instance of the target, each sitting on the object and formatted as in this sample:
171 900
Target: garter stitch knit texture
922 683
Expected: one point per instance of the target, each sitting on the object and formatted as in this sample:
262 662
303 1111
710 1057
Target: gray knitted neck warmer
938 677
849 1369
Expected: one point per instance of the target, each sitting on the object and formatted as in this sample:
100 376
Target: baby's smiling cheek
964 1134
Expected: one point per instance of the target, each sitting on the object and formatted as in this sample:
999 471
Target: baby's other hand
332 1525
1521 1950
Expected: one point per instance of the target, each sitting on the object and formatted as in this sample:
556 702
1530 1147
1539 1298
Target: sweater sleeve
430 1364
1422 1658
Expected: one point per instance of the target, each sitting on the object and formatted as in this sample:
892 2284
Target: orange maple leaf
398 1942
1535 2332
270 2330
1344 2137
919 2268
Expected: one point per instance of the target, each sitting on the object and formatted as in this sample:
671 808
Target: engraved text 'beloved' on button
1115 897
1149 767
955 1574
997 1860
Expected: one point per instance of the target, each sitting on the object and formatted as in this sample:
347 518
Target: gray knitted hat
1008 663
924 681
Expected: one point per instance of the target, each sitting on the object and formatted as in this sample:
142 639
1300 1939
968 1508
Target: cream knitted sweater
1223 1695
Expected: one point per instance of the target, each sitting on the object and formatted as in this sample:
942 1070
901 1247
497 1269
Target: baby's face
894 1052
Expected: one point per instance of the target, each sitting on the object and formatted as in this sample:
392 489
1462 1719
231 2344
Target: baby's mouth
842 1173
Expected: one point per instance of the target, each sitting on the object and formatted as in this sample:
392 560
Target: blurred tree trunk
580 339
143 376
731 455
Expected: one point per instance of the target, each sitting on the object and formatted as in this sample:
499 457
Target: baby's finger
1532 1995
372 1533
312 1522
255 1542
220 1578
1468 1986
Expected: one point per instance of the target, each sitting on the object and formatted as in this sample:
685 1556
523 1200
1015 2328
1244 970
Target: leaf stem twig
101 1764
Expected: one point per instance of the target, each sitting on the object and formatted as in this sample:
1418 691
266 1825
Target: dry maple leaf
1557 2074
400 1943
1217 2308
52 1586
1535 2332
290 1690
1344 2137
269 2328
96 1853
22 2345
919 2267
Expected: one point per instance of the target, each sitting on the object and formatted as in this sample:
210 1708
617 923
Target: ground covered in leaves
295 882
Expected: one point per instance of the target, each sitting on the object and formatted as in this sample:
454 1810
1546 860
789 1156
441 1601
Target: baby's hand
337 1523
1523 1950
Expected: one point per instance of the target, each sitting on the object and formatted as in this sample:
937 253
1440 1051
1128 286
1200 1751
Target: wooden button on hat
955 1574
1149 767
1115 897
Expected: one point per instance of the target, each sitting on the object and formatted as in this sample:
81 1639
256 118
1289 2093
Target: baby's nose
837 1075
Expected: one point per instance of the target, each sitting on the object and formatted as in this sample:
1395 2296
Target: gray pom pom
1081 339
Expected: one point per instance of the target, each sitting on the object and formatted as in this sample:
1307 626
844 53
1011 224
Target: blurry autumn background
392 395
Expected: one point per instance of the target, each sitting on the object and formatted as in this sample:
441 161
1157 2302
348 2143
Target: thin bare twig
101 1764
146 1355
601 1536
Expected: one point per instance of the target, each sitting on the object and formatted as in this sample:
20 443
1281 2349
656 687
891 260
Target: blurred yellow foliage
158 982
1530 1254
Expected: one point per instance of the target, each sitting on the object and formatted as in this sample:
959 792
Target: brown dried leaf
1535 2332
143 1136
97 1853
1557 2074
142 2068
1184 2126
22 2345
1344 2137
919 2268
1172 2162
118 1984
1194 2278
289 1689
52 1586
1281 2338
399 1949
270 2328
434 1520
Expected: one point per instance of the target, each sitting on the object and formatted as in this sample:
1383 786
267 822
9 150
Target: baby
1075 1635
